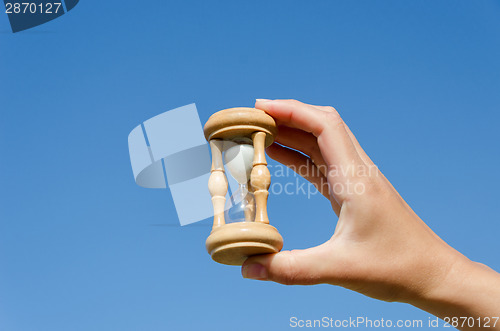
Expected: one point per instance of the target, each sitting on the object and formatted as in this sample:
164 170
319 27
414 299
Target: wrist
468 289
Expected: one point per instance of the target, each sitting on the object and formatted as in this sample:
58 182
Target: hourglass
241 227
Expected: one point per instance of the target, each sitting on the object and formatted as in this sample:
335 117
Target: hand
380 247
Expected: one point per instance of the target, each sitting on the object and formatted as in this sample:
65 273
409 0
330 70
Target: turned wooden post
217 183
260 177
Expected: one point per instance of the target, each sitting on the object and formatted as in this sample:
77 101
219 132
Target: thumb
296 267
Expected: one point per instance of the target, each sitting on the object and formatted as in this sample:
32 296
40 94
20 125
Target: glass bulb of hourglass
241 206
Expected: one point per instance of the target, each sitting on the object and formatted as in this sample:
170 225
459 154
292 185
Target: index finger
327 125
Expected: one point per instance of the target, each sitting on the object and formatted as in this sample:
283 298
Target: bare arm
380 247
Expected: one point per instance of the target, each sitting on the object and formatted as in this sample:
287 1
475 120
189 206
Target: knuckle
333 118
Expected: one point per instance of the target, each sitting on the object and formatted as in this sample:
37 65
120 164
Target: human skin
380 247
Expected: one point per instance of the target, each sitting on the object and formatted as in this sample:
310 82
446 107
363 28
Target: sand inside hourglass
238 158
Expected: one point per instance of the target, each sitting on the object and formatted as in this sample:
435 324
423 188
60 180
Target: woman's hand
380 247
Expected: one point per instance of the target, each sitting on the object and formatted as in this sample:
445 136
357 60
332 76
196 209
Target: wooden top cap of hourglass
238 122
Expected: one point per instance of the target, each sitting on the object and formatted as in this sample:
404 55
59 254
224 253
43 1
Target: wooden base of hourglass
233 243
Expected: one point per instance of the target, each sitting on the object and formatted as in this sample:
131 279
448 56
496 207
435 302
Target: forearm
469 296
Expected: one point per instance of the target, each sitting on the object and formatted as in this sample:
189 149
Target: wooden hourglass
247 130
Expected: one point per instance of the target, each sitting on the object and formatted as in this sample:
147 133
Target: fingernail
254 271
262 100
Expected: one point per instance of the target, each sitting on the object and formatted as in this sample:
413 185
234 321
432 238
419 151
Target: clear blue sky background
80 245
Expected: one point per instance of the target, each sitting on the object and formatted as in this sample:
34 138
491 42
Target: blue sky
82 247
